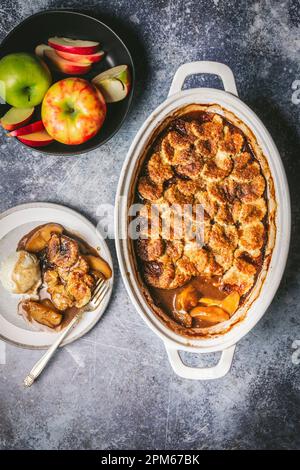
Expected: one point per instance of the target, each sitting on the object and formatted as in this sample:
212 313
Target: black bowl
39 27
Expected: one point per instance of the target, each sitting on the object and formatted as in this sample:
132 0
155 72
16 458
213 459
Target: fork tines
99 292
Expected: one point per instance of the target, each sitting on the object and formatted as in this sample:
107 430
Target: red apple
73 111
76 46
101 98
34 127
16 117
36 139
81 58
66 66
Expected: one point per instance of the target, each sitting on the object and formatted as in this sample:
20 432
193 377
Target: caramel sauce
206 287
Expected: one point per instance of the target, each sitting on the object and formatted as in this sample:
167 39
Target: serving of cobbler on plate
55 273
199 266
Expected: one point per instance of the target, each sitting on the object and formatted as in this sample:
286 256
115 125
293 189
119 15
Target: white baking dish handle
196 373
214 68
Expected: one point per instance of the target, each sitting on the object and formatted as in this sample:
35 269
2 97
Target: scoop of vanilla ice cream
20 272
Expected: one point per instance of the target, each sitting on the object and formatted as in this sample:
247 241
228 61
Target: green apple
24 79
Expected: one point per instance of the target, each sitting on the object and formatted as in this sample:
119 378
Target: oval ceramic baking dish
265 289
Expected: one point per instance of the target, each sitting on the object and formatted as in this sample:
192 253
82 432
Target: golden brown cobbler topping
208 163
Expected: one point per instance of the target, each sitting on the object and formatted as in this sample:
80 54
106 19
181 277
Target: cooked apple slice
211 315
99 264
230 303
37 239
41 312
65 66
81 58
36 139
29 129
97 274
16 117
187 298
76 46
110 81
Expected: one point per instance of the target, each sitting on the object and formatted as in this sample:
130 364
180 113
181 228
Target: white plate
15 223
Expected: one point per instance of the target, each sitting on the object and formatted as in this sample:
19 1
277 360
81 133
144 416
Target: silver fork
97 297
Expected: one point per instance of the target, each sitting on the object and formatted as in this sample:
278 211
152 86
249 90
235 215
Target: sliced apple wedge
36 139
81 58
114 83
66 66
76 46
29 129
112 89
40 50
16 117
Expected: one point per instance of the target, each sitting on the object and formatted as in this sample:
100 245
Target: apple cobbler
200 159
56 271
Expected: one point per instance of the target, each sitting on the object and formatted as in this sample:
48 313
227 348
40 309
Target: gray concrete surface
114 388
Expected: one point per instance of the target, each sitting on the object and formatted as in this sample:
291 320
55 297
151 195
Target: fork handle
41 363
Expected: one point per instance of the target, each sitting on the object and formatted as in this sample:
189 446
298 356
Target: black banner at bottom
140 458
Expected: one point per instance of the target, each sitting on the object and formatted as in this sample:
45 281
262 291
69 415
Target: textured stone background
114 388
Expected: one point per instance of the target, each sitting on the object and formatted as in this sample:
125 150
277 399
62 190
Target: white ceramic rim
89 320
232 103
